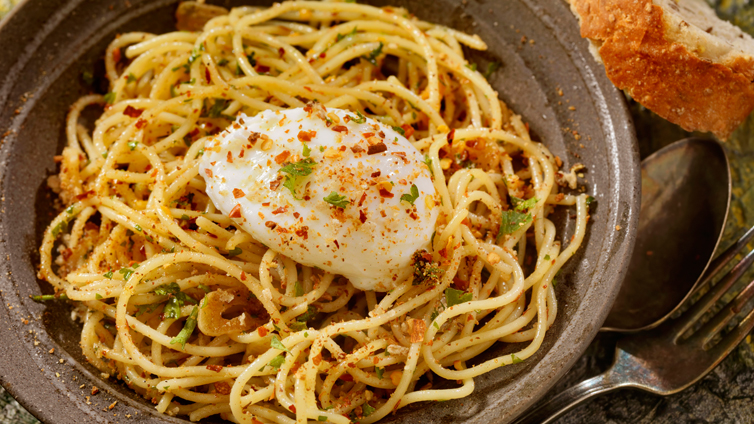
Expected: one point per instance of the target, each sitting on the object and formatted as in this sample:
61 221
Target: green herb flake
298 289
188 328
399 130
277 344
69 210
132 145
436 325
360 120
88 78
341 36
222 62
322 418
137 227
590 200
367 409
547 257
131 78
235 252
97 296
307 151
204 288
491 68
110 98
185 217
252 61
108 275
411 197
295 171
374 54
277 361
521 205
511 221
456 297
471 66
337 200
126 272
379 371
515 359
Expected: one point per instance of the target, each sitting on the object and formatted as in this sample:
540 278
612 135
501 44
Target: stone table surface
726 395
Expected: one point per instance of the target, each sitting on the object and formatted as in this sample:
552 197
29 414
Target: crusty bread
674 57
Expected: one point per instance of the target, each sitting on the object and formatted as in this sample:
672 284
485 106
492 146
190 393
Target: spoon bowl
684 204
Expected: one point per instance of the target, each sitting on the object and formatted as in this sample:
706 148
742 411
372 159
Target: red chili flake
367 135
271 225
208 172
281 52
381 134
243 276
363 197
357 149
385 193
444 253
323 55
275 184
240 155
451 134
304 136
207 75
282 157
362 216
340 128
215 368
292 408
296 215
346 377
401 155
133 112
308 108
222 388
238 193
83 196
342 148
460 284
336 244
235 212
262 331
280 210
116 55
408 130
140 123
303 232
307 88
253 137
376 173
262 69
229 158
317 359
376 148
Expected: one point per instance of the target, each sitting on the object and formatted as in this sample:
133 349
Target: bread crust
663 75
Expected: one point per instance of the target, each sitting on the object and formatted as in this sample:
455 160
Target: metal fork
674 355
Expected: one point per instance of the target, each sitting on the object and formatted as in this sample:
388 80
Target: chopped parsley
276 344
399 130
307 151
295 171
222 62
471 66
277 361
379 371
521 205
126 272
108 275
132 145
311 311
188 328
110 98
456 297
361 119
322 418
491 68
515 359
176 299
216 110
88 78
367 410
131 78
374 54
511 221
424 269
341 36
411 197
97 296
234 252
337 200
590 200
298 289
252 61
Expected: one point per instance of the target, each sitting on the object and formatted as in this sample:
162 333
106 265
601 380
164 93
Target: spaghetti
163 280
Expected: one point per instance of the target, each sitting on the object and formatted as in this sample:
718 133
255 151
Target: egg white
371 240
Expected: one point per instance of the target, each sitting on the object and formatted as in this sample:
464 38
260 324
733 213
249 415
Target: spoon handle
552 408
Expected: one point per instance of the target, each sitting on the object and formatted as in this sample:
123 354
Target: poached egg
325 187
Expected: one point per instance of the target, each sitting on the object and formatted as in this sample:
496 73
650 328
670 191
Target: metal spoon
684 204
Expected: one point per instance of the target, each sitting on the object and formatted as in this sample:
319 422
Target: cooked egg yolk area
326 187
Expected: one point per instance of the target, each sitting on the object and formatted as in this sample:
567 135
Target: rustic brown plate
546 70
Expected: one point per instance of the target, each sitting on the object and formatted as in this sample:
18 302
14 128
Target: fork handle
562 402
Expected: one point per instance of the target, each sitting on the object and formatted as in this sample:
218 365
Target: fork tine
721 319
721 261
732 339
700 308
